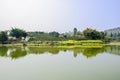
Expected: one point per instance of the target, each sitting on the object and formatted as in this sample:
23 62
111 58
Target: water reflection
17 52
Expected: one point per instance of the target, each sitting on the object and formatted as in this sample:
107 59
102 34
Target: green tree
115 35
93 34
102 35
75 31
18 33
118 35
111 34
3 37
54 34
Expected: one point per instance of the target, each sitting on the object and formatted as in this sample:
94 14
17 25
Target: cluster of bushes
14 33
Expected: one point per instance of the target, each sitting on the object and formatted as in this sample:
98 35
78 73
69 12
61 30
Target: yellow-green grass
81 42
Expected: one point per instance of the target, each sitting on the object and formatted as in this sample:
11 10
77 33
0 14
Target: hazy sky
59 15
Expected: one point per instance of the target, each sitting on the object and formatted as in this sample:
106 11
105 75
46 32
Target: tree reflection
3 51
18 52
88 52
92 52
113 50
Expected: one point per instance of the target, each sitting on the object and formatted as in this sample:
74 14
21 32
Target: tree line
88 33
18 34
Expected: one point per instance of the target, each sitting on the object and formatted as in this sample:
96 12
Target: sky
59 15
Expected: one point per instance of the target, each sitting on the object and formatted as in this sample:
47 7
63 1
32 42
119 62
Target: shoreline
76 46
60 46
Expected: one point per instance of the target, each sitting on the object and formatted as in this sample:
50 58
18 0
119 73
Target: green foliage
75 35
88 34
75 31
3 37
18 33
81 42
93 34
111 35
54 34
42 36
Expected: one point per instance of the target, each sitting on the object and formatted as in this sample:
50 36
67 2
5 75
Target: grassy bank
69 43
62 44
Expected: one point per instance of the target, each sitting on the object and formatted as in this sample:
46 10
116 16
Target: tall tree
111 35
18 33
75 32
115 35
3 37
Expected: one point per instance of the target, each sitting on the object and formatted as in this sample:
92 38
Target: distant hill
113 33
113 30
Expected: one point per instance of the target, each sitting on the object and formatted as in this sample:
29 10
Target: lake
52 63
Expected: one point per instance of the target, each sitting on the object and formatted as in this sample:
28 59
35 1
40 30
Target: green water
38 63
